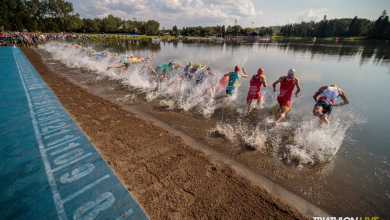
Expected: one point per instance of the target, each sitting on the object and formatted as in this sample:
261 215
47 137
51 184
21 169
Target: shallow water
350 154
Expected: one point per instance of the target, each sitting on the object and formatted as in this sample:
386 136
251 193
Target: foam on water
303 144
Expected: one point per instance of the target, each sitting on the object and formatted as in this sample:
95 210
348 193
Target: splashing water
301 143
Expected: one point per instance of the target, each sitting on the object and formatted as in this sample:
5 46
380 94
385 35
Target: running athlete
217 86
255 85
164 69
324 104
233 80
189 72
287 84
202 76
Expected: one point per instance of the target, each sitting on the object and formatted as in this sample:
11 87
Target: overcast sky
188 13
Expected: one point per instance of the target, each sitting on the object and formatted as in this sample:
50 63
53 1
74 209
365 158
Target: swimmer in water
164 69
189 72
202 76
254 89
325 102
233 80
287 85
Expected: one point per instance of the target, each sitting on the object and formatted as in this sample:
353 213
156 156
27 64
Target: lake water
346 163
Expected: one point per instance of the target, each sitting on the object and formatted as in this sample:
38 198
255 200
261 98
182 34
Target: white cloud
171 12
311 15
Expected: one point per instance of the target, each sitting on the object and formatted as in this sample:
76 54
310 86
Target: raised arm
202 68
343 97
318 93
153 57
245 74
298 86
276 82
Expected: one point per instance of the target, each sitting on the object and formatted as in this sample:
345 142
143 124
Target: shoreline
166 176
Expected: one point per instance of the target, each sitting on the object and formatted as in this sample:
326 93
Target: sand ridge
167 177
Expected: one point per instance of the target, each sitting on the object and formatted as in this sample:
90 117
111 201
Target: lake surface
348 159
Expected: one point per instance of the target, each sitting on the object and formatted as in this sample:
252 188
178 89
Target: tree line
58 15
345 27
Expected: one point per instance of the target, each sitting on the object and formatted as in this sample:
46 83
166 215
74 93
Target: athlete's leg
176 80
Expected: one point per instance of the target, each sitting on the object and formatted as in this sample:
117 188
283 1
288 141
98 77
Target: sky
190 13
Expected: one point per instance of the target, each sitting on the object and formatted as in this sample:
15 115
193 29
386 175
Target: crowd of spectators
26 39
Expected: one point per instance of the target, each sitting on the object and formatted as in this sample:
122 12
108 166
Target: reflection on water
352 151
366 49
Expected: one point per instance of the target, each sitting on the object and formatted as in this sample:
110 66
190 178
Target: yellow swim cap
333 85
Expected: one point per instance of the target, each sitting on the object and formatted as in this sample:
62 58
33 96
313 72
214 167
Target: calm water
354 149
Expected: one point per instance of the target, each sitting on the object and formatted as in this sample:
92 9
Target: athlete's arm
202 68
243 75
298 86
228 74
263 79
153 57
343 97
276 82
318 93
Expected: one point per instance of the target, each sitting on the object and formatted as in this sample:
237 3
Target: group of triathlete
325 97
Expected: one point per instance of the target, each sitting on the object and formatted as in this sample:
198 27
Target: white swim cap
291 72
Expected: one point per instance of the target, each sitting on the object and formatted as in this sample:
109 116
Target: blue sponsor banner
49 169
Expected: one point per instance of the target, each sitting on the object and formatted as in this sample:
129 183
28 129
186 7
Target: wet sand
168 178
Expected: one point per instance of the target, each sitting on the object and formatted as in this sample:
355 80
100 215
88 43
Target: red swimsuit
286 90
254 89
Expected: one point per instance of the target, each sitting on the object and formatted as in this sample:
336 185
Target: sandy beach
168 177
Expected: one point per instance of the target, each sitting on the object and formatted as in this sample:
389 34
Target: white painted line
54 111
71 196
71 162
51 119
70 146
57 120
47 149
45 110
63 131
55 129
52 182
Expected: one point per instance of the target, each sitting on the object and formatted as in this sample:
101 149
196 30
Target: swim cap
333 85
131 55
148 57
291 72
199 65
191 63
115 54
260 71
236 69
122 61
106 51
208 68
